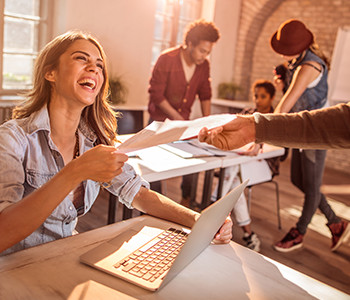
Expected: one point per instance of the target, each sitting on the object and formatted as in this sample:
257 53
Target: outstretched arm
325 128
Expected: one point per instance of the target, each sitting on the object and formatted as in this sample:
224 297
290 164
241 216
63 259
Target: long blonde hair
98 116
316 49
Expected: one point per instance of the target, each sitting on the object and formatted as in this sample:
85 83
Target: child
263 95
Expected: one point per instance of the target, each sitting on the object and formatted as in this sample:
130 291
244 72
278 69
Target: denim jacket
316 97
29 158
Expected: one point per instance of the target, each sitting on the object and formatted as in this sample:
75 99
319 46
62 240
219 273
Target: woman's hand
101 163
224 235
278 83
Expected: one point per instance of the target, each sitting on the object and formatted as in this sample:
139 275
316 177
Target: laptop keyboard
154 258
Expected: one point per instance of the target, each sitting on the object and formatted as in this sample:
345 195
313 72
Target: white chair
259 172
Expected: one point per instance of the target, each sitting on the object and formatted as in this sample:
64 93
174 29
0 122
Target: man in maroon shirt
179 75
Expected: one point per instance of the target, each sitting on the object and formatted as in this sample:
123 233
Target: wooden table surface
53 271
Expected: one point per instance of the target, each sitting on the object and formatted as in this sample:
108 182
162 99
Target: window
25 30
172 16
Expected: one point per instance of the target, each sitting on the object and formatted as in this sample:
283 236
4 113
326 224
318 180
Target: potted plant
227 90
117 90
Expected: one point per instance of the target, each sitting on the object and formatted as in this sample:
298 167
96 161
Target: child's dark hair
201 30
267 85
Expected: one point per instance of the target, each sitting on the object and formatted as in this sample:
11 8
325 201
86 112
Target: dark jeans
307 168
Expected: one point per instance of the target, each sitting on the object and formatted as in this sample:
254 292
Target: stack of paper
158 133
185 149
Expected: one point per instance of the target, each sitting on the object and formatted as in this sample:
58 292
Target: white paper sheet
158 133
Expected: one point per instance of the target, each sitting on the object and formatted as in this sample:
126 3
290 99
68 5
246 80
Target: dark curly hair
201 30
267 85
283 73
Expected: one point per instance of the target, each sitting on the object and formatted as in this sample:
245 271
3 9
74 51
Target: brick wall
255 59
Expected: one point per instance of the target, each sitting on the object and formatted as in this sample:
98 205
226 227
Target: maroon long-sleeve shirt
168 82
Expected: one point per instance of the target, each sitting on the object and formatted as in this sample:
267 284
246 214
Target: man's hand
232 135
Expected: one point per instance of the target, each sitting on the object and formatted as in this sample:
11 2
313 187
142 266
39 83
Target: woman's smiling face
79 75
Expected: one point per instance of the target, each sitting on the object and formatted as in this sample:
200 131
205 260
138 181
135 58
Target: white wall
125 29
226 18
225 15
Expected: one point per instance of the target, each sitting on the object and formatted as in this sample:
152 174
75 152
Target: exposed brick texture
255 59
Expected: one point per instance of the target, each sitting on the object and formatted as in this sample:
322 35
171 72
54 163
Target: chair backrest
5 113
256 171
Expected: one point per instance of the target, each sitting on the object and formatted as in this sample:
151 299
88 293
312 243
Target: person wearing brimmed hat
307 91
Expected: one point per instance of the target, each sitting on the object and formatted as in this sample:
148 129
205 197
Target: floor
314 259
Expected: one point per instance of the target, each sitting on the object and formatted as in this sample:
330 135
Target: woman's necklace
78 193
76 152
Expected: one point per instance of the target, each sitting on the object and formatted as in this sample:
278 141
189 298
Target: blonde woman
58 150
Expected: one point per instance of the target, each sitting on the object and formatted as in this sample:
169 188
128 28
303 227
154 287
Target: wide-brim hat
291 38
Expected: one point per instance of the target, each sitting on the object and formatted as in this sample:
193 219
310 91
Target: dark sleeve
318 129
204 90
158 80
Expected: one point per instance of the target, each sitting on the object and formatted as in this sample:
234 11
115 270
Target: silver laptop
153 256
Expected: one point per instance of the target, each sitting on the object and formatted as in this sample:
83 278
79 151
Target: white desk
53 271
268 151
159 164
